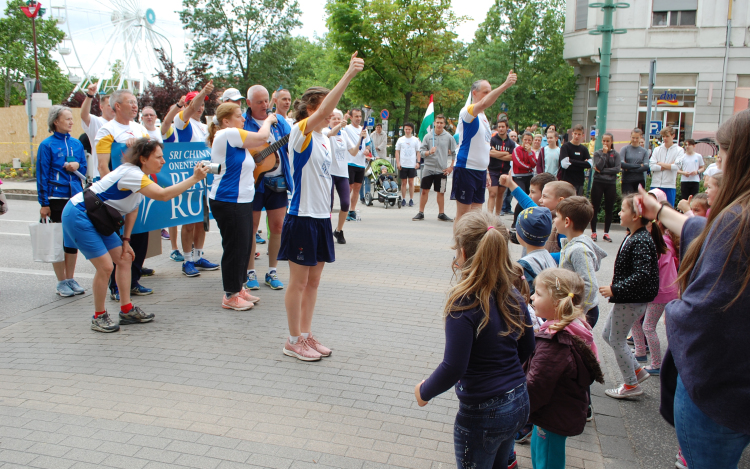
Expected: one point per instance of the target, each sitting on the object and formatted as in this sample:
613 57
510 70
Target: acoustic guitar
262 156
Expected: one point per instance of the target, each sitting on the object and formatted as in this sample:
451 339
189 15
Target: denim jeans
705 444
483 433
507 198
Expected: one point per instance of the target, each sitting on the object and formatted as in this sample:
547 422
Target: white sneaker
642 375
622 393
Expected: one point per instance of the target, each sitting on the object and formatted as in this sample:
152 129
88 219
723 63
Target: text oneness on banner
186 208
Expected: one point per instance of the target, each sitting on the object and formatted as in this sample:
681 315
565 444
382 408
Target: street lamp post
32 10
606 31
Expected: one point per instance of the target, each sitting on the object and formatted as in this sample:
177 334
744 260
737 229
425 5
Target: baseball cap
231 94
659 194
534 225
593 133
189 97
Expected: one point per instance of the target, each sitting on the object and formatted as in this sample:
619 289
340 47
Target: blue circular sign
384 114
150 16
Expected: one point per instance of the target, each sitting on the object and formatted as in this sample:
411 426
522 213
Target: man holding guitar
270 187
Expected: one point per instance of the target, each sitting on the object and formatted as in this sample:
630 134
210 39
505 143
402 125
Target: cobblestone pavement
205 387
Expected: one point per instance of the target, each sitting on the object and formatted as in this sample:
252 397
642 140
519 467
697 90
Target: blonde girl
488 335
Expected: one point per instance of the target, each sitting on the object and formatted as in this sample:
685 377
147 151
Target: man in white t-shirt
91 125
360 138
470 177
148 116
407 149
189 128
691 166
663 163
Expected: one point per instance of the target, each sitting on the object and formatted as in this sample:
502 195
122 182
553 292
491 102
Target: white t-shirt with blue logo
120 188
311 162
474 140
340 145
235 183
190 131
690 163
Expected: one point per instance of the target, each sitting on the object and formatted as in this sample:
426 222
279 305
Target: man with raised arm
470 177
91 124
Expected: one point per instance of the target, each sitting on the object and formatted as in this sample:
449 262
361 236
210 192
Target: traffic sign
371 122
504 107
384 114
655 128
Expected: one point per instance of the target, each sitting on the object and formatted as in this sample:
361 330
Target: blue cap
534 225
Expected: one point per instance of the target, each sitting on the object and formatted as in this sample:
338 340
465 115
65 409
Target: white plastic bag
47 242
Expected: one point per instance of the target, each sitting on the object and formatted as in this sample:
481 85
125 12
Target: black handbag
105 219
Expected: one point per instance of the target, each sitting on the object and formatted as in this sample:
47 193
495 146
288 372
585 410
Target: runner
357 163
470 174
307 239
501 154
407 148
341 148
122 129
437 146
271 189
189 129
91 125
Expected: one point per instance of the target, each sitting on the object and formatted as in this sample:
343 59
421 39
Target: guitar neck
274 146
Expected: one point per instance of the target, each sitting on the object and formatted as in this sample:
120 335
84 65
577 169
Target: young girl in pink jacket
668 291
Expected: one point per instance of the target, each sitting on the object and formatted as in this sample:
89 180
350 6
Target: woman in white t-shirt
341 149
121 189
231 197
306 237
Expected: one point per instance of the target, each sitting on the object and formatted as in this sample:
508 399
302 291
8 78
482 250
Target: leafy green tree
526 36
249 40
17 55
406 44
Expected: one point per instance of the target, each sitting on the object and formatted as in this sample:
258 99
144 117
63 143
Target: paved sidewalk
208 388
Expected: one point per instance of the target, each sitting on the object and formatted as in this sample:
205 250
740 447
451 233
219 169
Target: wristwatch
90 96
178 106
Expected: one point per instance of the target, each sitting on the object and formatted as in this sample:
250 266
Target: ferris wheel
113 45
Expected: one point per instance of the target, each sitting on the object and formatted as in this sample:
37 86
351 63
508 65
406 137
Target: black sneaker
418 216
590 413
630 340
513 237
444 217
135 315
104 324
339 235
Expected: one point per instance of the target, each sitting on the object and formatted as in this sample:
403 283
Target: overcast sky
90 25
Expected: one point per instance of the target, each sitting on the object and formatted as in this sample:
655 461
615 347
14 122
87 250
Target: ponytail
658 236
309 102
520 282
224 111
566 289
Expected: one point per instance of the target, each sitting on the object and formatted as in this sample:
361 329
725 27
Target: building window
674 13
582 14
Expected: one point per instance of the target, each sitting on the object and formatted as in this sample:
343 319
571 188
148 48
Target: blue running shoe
259 240
63 289
188 268
351 216
273 281
114 294
525 434
146 272
252 282
205 264
140 290
77 289
176 256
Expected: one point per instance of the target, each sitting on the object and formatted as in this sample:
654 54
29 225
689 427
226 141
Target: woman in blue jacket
60 165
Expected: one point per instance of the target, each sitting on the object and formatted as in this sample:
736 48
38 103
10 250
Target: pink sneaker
642 375
301 350
245 294
236 303
321 349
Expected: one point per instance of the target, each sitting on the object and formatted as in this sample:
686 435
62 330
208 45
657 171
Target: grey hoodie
583 257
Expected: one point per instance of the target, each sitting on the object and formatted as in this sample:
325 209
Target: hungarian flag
429 119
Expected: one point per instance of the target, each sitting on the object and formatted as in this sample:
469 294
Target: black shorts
56 207
269 200
356 175
495 177
407 173
439 181
468 186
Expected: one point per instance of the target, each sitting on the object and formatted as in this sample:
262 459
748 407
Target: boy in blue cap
533 227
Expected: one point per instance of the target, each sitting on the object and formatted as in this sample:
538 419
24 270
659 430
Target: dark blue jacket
52 180
280 129
709 342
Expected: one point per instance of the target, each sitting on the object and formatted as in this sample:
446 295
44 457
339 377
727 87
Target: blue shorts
269 200
78 231
306 240
468 186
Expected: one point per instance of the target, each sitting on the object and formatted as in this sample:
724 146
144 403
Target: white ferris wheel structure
121 34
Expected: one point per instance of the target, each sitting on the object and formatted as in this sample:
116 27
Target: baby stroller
377 191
